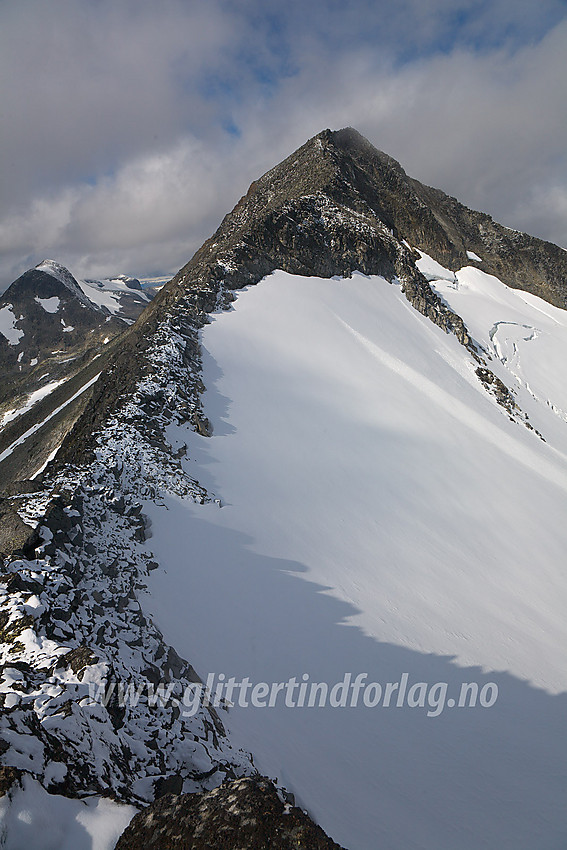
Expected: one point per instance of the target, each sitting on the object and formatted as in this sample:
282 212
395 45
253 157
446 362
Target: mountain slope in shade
357 465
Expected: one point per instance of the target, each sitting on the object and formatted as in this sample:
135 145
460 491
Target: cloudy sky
128 128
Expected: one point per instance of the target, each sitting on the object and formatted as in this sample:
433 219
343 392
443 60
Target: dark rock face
338 204
9 776
245 813
58 410
15 536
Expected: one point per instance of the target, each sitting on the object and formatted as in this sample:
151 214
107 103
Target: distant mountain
334 445
121 296
45 313
53 326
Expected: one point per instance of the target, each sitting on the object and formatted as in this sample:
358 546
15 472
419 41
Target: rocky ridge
72 628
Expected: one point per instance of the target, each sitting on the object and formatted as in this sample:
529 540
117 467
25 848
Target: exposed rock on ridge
243 813
72 627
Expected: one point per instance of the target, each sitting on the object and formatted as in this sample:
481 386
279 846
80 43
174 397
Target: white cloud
114 156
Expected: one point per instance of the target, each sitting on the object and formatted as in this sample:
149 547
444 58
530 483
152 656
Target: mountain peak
336 205
55 269
64 276
327 162
351 141
339 175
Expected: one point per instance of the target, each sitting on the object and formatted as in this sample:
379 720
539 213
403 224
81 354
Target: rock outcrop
246 813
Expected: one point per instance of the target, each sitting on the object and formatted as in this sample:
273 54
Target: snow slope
108 294
527 335
8 327
32 399
39 425
381 514
36 820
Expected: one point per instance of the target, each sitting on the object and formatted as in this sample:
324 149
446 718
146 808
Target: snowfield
39 425
527 335
37 820
8 327
32 399
107 294
50 305
380 513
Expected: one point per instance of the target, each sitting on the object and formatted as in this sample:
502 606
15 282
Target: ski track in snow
466 416
525 333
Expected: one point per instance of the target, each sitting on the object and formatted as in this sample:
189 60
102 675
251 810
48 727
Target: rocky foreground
245 813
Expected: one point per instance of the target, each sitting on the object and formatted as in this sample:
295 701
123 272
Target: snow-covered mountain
120 296
344 486
53 327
